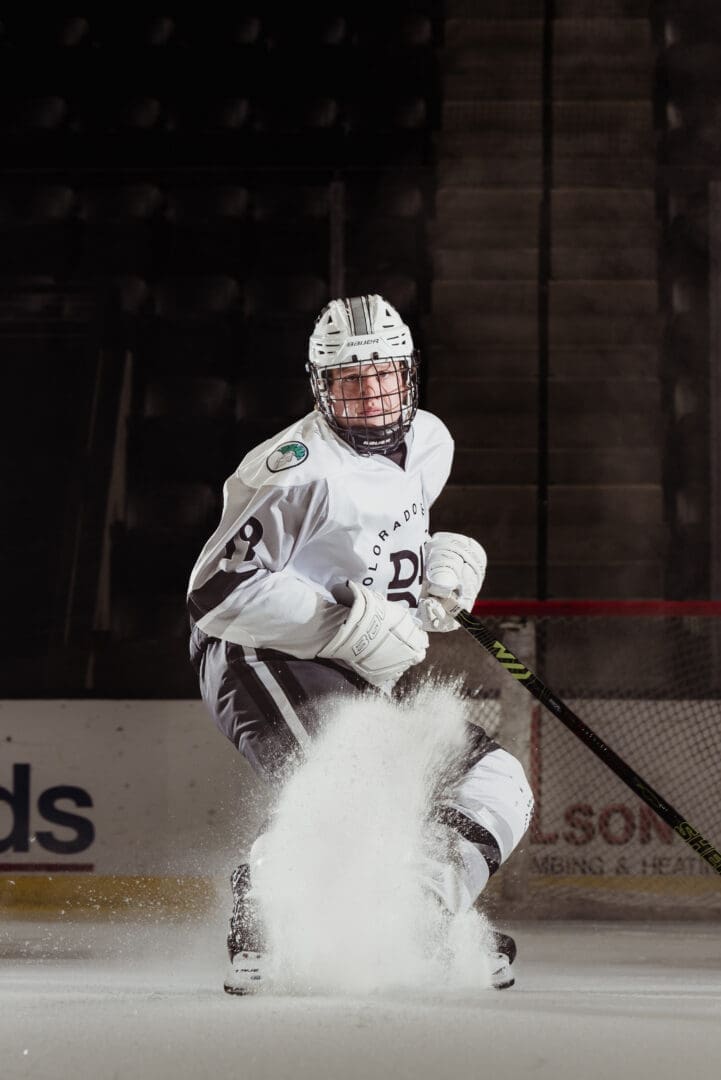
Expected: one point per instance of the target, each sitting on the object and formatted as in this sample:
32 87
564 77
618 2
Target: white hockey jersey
303 513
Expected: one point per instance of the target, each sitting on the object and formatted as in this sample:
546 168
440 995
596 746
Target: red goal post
645 675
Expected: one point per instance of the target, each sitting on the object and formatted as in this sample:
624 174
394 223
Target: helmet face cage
363 371
369 403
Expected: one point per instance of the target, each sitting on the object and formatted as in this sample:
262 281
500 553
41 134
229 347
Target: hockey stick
533 684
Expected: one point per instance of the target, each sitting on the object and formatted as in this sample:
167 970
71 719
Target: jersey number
251 533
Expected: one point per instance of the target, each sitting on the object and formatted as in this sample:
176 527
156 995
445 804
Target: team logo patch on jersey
287 456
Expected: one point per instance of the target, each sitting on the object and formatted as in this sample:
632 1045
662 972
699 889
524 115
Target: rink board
593 838
111 805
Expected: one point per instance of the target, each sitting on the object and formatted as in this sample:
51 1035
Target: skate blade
239 991
246 975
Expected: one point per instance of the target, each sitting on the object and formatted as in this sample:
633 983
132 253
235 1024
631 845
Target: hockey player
322 577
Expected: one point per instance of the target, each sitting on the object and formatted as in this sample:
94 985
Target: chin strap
359 439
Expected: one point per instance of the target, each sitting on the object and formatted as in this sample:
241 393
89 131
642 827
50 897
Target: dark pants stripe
244 709
281 671
285 744
478 745
471 831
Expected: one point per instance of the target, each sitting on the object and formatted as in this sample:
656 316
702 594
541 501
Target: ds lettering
18 799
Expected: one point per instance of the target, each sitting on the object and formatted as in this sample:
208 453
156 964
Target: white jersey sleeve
241 588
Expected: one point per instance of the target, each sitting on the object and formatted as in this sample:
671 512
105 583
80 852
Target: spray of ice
340 880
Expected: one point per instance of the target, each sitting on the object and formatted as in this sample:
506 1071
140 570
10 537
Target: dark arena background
536 186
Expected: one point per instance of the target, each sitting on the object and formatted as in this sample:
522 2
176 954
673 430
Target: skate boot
245 945
502 956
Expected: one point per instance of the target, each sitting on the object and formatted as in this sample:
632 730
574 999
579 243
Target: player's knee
517 808
523 801
497 796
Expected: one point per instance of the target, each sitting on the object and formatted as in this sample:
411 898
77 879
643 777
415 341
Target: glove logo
365 639
287 456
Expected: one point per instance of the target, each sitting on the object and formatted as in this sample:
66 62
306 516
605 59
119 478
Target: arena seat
129 294
39 229
179 449
183 434
274 201
283 398
196 296
171 508
293 294
22 115
145 654
166 525
207 203
132 620
41 204
194 396
120 205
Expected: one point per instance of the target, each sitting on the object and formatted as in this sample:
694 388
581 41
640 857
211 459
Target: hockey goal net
646 677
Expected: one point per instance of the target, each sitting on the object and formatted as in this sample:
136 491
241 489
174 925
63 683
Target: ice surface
145 1001
592 1000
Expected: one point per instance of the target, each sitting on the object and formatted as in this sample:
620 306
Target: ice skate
502 956
245 947
245 973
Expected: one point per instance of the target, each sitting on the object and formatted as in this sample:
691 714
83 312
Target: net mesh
648 682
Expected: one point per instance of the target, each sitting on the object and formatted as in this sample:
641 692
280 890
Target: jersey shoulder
431 432
303 453
431 453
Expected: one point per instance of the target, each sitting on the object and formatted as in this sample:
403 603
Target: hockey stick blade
485 637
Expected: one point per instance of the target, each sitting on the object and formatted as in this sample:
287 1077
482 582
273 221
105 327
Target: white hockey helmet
354 337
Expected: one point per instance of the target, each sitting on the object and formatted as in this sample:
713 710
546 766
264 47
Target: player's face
370 394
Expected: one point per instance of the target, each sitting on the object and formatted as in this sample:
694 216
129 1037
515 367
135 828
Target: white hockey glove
455 567
379 639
